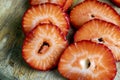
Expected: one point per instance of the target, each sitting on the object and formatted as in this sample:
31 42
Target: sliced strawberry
63 3
93 9
43 46
36 2
45 13
116 2
86 60
67 4
101 32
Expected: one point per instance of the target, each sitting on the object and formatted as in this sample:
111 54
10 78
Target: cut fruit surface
101 32
67 4
45 13
86 60
116 2
43 46
93 9
37 2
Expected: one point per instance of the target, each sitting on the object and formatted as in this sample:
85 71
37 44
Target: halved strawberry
45 13
93 9
86 60
43 46
101 32
37 2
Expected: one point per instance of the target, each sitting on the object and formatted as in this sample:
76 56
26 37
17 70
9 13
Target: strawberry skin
93 9
45 13
116 2
86 60
101 32
67 4
43 46
37 2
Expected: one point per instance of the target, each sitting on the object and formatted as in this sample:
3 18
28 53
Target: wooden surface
12 66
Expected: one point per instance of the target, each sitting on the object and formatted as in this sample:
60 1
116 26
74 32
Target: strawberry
86 60
116 2
43 46
101 32
45 13
67 4
63 3
93 9
36 2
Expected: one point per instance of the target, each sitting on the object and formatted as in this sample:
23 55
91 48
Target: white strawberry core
85 63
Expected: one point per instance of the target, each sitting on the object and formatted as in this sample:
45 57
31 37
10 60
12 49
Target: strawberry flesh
101 32
116 2
45 13
67 4
37 2
93 9
86 60
43 46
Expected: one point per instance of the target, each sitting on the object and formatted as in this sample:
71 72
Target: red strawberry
101 32
86 60
63 3
93 9
45 13
36 2
116 2
67 4
43 46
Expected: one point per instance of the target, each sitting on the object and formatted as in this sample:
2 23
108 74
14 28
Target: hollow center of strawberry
100 40
85 63
92 16
43 48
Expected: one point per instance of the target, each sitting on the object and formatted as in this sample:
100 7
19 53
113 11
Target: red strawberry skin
37 2
67 4
116 2
101 66
45 13
43 46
